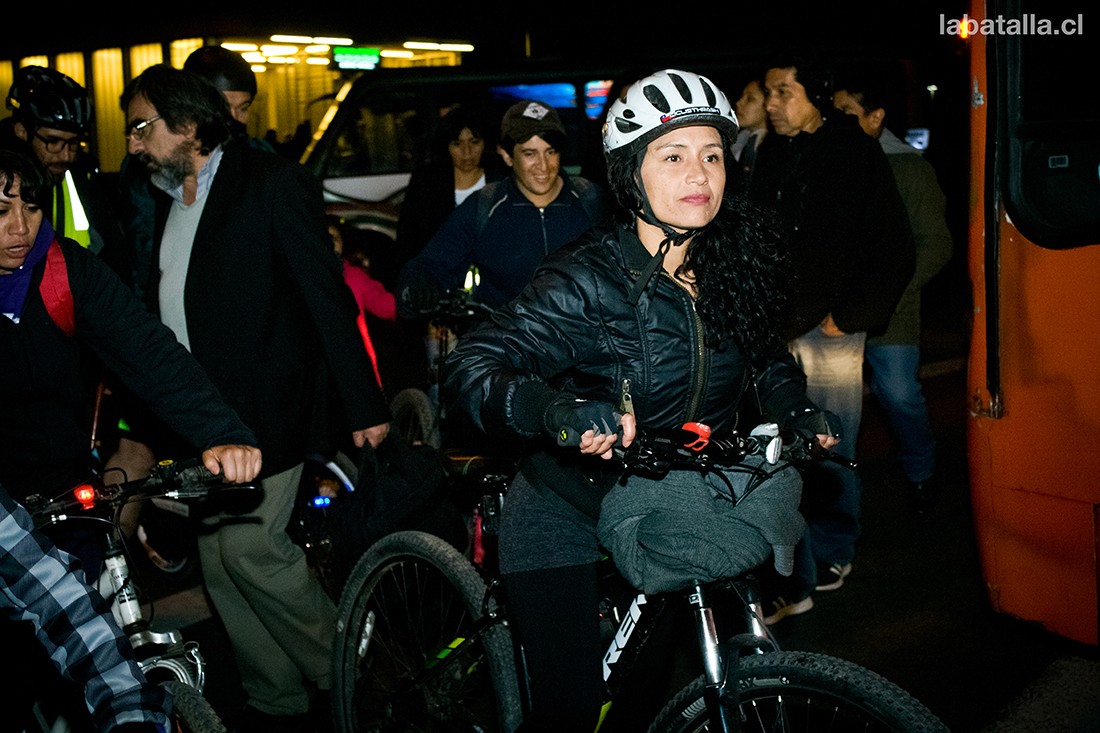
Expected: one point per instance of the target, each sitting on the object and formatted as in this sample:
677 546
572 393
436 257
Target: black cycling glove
417 297
567 418
818 422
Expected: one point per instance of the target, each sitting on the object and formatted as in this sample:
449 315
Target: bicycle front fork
720 660
160 654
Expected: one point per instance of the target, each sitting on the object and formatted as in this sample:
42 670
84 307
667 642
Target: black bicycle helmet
225 69
41 97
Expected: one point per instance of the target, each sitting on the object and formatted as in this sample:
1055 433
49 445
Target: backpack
55 291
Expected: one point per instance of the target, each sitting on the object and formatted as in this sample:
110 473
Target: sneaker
781 608
831 576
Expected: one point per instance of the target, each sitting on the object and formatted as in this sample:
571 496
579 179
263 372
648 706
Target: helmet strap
673 238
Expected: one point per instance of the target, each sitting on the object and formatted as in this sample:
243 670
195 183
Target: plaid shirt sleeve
40 584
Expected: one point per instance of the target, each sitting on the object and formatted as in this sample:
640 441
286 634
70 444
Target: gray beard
170 175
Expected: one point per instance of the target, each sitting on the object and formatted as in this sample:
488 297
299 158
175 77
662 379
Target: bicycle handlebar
456 309
188 479
657 451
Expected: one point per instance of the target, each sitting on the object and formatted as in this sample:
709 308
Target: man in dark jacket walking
248 280
851 258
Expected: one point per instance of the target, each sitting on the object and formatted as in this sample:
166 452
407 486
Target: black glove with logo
567 419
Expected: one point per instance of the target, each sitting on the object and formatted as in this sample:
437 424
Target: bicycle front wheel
415 418
191 712
782 692
397 664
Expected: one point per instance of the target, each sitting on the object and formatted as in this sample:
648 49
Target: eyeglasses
57 144
137 130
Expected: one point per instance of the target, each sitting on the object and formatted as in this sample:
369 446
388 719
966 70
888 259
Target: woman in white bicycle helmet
662 317
650 109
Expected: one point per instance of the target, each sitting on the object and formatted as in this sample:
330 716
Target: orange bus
1033 381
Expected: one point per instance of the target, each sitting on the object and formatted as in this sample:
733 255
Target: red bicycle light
701 433
85 494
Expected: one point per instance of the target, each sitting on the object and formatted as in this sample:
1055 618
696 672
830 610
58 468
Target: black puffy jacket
574 331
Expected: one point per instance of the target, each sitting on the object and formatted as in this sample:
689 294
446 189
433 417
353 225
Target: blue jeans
832 494
894 383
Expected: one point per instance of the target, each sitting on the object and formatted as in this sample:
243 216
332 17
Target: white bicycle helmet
665 101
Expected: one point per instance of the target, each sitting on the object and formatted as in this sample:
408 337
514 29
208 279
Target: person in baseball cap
527 118
507 227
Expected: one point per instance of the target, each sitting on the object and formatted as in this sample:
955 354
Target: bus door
1034 263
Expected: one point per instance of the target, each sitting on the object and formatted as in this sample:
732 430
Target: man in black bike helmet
51 119
665 316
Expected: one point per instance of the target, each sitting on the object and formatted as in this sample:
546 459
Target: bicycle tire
414 418
804 691
191 711
406 601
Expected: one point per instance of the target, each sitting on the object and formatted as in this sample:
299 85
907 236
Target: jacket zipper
700 351
701 355
626 401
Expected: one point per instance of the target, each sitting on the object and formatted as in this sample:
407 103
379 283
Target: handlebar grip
198 475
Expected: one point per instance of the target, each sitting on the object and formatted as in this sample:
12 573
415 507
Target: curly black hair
739 266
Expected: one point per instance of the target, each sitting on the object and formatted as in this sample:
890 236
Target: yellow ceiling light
240 47
392 53
432 46
271 49
307 40
291 39
317 48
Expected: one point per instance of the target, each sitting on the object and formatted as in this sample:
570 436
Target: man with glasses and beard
244 274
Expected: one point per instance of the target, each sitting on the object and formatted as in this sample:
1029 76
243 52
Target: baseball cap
530 117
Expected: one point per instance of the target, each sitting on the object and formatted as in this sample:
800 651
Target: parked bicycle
424 641
164 656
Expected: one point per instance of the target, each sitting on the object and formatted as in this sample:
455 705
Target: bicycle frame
164 651
425 640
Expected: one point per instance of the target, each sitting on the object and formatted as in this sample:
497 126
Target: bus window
1053 161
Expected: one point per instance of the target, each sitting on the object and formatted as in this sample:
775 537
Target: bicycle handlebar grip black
198 475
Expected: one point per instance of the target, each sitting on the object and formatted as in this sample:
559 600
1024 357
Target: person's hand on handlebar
416 297
237 464
594 427
824 424
600 444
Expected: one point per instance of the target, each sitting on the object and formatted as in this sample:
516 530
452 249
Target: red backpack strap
56 295
361 322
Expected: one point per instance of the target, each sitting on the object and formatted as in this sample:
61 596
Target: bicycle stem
123 590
